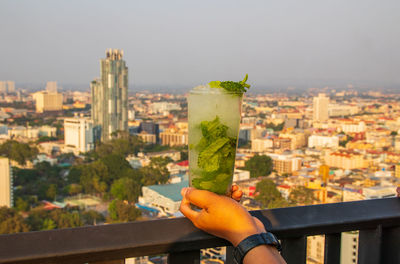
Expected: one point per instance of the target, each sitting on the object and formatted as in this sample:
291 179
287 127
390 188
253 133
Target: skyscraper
320 108
10 86
51 87
110 95
6 194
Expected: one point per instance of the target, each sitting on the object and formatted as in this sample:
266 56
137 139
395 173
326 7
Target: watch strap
253 241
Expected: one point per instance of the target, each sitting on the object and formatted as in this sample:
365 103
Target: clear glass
214 120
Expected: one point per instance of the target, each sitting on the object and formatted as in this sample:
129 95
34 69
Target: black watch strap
253 241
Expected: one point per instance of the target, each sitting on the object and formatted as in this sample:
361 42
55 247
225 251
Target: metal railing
378 222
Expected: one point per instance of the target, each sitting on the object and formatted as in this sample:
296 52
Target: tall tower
6 183
320 108
110 95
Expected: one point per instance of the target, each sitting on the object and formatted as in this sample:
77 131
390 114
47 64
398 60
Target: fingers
185 208
200 198
236 193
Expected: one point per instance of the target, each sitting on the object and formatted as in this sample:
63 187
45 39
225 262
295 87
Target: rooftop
172 191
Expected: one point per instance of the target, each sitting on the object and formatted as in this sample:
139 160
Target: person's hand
398 191
220 215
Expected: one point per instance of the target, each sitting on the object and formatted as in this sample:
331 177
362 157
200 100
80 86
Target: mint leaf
209 158
216 157
233 87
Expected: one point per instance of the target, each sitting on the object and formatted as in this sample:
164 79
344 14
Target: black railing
378 222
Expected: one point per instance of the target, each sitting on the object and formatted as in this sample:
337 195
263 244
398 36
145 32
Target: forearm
263 255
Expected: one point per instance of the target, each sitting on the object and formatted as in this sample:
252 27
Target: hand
398 191
236 194
220 215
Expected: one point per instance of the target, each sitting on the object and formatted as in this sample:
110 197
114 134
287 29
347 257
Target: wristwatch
253 241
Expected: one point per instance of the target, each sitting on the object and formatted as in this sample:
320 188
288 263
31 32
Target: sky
182 43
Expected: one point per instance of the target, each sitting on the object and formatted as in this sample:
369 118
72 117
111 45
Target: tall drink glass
214 119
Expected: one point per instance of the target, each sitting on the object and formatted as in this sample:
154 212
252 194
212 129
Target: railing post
186 257
369 245
390 251
332 248
294 250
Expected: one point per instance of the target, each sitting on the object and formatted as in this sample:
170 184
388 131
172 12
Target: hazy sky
187 42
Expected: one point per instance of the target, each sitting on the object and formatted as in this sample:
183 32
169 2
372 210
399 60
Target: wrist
266 240
240 236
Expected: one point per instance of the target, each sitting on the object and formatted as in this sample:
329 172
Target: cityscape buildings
110 95
320 107
7 86
6 183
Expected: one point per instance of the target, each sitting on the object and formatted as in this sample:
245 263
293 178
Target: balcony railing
378 222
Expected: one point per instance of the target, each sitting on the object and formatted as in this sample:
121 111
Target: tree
156 172
21 204
74 189
19 152
11 222
92 217
268 195
122 212
51 192
259 165
125 189
302 196
48 224
40 219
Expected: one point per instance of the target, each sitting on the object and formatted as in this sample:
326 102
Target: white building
349 248
320 108
78 134
240 175
319 141
31 132
166 198
335 110
6 183
376 192
163 107
261 144
353 127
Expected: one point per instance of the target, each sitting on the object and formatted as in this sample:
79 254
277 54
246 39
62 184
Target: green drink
214 117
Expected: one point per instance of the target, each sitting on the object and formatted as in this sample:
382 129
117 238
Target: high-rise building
51 87
110 95
78 134
320 108
46 101
3 87
10 86
6 183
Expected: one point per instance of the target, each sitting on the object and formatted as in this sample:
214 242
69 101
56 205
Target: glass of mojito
214 118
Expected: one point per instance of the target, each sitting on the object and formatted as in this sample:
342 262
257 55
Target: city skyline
171 45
